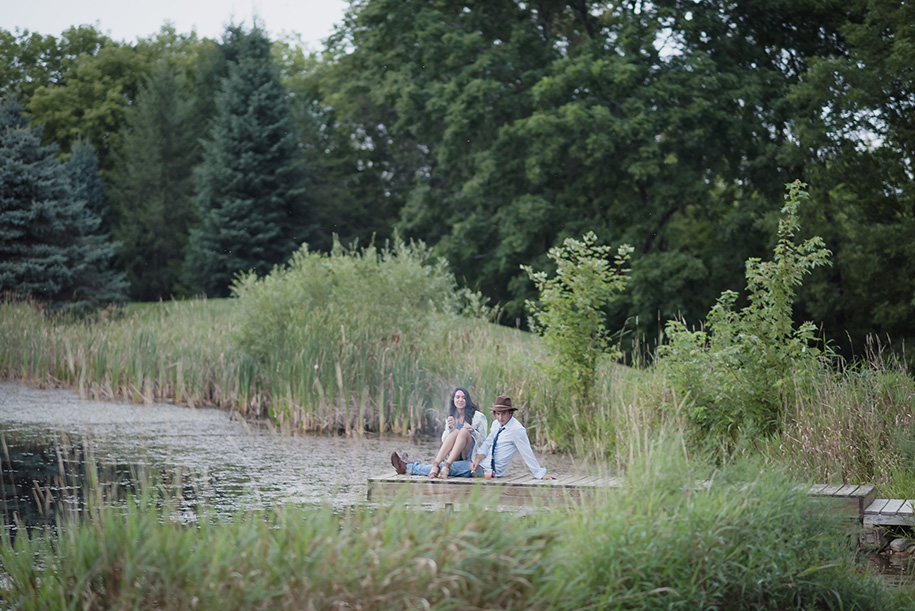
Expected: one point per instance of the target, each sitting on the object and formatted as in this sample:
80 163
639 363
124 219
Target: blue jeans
459 468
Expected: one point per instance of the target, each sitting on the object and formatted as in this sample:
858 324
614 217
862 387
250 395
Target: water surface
222 460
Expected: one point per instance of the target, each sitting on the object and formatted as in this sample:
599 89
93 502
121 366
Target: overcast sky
127 20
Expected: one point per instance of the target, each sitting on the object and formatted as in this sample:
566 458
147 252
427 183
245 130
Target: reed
853 425
662 542
174 351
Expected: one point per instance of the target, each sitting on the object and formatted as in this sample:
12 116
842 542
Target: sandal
445 472
434 472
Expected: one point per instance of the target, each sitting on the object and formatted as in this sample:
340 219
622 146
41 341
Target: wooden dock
868 516
855 501
889 512
510 490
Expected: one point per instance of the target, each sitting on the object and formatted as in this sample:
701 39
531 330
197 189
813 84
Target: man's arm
527 454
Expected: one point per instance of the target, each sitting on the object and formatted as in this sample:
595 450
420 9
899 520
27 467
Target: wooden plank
829 490
839 498
513 479
888 519
519 490
847 490
876 506
571 480
588 481
892 507
866 495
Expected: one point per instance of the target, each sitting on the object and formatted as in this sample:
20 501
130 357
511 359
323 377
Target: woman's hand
468 426
450 422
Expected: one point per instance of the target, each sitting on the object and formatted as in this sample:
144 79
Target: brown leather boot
398 463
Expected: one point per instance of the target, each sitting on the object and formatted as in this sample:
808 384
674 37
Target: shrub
741 370
570 315
348 327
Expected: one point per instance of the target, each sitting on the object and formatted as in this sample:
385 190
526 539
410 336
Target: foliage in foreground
664 542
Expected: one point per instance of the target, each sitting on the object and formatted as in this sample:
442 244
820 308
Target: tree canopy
495 130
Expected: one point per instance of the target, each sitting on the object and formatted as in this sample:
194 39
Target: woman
465 429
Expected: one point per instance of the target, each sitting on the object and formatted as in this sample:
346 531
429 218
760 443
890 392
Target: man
507 437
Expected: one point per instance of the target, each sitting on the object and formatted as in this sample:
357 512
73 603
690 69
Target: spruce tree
95 280
249 193
153 185
35 208
87 183
51 248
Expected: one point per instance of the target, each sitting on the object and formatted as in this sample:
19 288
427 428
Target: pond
222 461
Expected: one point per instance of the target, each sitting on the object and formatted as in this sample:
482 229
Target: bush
570 315
348 327
741 370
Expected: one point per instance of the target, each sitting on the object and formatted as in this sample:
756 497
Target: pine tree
249 191
153 186
96 281
50 245
87 183
35 206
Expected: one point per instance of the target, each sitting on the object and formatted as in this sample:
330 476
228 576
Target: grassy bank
851 425
375 339
660 543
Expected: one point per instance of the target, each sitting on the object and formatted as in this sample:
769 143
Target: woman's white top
478 433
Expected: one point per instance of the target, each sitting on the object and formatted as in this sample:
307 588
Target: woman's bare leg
443 451
460 446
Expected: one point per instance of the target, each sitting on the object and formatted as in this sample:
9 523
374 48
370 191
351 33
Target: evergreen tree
87 183
95 280
51 247
153 186
36 211
249 192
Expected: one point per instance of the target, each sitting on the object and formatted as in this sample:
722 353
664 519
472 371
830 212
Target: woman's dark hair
469 408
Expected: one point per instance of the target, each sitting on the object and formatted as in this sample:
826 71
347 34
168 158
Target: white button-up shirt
512 440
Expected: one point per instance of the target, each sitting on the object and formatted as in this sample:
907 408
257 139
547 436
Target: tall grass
175 351
374 340
854 425
660 543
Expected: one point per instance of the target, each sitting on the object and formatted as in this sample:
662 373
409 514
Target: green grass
855 425
660 543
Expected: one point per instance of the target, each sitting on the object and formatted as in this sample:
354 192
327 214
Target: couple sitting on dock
465 432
